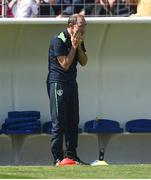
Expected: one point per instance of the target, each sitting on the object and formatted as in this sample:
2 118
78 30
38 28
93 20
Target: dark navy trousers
64 109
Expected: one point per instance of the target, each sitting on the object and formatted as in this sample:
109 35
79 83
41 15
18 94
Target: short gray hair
73 18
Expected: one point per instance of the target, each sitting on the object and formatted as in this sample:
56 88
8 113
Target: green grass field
48 172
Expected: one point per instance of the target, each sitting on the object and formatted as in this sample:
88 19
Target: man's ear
70 25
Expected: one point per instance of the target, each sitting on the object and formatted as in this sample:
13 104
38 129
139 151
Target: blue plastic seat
102 126
22 122
19 120
48 125
28 131
21 125
138 125
17 114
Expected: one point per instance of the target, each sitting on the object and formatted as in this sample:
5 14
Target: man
66 50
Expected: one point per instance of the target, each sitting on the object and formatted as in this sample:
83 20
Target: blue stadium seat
102 126
21 125
22 122
48 125
18 120
29 131
138 125
17 114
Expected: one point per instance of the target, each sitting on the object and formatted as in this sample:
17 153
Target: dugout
115 84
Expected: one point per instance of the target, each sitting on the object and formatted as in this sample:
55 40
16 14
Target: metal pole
3 8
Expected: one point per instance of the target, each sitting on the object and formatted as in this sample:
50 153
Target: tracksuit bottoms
64 109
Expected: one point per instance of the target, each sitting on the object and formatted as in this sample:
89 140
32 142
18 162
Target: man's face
80 26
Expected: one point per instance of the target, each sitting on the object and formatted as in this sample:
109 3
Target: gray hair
73 18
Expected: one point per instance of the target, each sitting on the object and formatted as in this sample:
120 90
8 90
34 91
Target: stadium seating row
27 122
23 141
22 147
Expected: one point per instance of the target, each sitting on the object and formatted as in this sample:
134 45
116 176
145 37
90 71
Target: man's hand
75 39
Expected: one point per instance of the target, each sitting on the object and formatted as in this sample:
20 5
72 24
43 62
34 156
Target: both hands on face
76 39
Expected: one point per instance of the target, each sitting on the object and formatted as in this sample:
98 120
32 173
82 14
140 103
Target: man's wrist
73 48
80 46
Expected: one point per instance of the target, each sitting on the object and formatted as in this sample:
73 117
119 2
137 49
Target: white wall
115 83
124 77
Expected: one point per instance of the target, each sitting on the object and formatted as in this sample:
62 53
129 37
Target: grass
81 172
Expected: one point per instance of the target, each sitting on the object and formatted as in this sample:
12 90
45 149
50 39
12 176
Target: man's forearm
82 56
69 58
